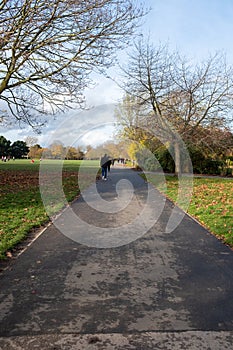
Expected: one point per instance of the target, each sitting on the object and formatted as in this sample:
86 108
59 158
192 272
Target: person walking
109 163
104 166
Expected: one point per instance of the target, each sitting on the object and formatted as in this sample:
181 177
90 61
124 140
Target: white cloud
105 90
70 126
93 126
195 28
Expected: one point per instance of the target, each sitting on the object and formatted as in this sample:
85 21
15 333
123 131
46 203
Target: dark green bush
165 159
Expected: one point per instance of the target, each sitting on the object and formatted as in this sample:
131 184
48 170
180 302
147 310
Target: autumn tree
130 120
35 151
48 50
92 153
113 149
175 97
57 149
80 153
74 153
46 152
213 142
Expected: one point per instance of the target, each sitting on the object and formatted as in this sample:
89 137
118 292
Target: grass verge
211 203
22 208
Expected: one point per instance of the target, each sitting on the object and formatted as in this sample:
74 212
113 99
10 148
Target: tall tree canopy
4 146
176 99
49 48
19 149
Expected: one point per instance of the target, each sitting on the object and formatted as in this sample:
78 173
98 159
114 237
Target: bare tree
31 141
176 97
130 120
48 50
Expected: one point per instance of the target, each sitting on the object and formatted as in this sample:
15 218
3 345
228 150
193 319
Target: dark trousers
104 171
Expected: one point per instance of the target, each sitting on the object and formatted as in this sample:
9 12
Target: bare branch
51 50
179 99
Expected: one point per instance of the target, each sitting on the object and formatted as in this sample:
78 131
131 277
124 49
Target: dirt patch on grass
12 181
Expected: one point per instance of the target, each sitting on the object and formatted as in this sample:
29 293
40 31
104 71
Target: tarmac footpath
118 280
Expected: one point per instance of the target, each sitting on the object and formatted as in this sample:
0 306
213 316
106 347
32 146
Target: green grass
211 202
22 208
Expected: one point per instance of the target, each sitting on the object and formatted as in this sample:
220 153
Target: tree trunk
178 169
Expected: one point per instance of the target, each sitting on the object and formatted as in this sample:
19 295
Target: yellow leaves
26 220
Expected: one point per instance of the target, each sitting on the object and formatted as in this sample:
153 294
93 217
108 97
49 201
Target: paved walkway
159 290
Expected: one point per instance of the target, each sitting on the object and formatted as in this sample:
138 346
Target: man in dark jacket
104 166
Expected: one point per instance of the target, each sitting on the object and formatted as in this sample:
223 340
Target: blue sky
196 28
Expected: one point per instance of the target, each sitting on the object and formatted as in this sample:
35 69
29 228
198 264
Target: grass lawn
211 203
22 208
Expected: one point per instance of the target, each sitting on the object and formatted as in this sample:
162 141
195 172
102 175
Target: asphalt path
115 279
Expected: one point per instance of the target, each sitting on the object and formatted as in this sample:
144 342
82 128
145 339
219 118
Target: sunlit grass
22 208
211 202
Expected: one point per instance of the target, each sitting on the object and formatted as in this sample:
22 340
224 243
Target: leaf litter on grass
211 203
21 205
